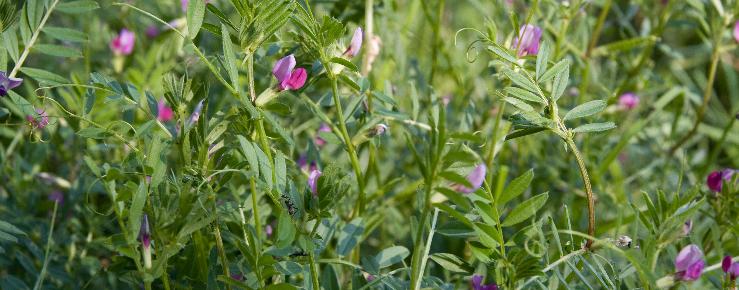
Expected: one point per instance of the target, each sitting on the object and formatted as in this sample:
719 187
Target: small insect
299 253
624 241
289 205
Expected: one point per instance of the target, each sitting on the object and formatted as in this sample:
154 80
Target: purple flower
628 101
324 128
527 42
288 77
476 177
476 284
313 181
356 43
8 83
152 31
39 121
56 196
715 179
370 278
736 31
164 112
689 263
730 267
145 238
123 43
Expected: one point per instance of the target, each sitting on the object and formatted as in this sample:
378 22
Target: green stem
32 41
707 92
222 252
349 145
40 279
588 189
313 271
416 261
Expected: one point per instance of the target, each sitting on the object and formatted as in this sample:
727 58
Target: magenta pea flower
356 43
40 120
730 267
527 41
123 43
736 31
145 238
476 284
324 128
287 76
152 31
475 178
268 230
689 263
8 83
57 196
164 112
715 179
628 101
313 181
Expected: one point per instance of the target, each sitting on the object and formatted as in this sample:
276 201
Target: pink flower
715 179
476 177
527 42
324 128
268 230
476 284
689 263
628 101
736 31
164 112
356 43
7 83
313 181
287 76
730 268
123 43
40 121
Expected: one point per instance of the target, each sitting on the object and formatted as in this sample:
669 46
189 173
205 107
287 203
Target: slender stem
253 98
598 27
250 67
422 267
437 35
707 92
40 279
349 145
222 252
313 271
416 262
588 189
32 41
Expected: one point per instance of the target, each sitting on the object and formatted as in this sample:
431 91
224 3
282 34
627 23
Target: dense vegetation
375 144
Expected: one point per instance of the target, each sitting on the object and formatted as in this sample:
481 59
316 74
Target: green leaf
349 236
556 69
65 34
502 53
519 104
542 60
136 210
452 263
346 63
520 80
191 227
524 132
560 83
93 133
247 148
57 50
586 109
455 177
195 14
516 187
44 76
74 7
525 95
488 235
285 230
228 56
390 256
525 210
9 228
623 45
594 127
